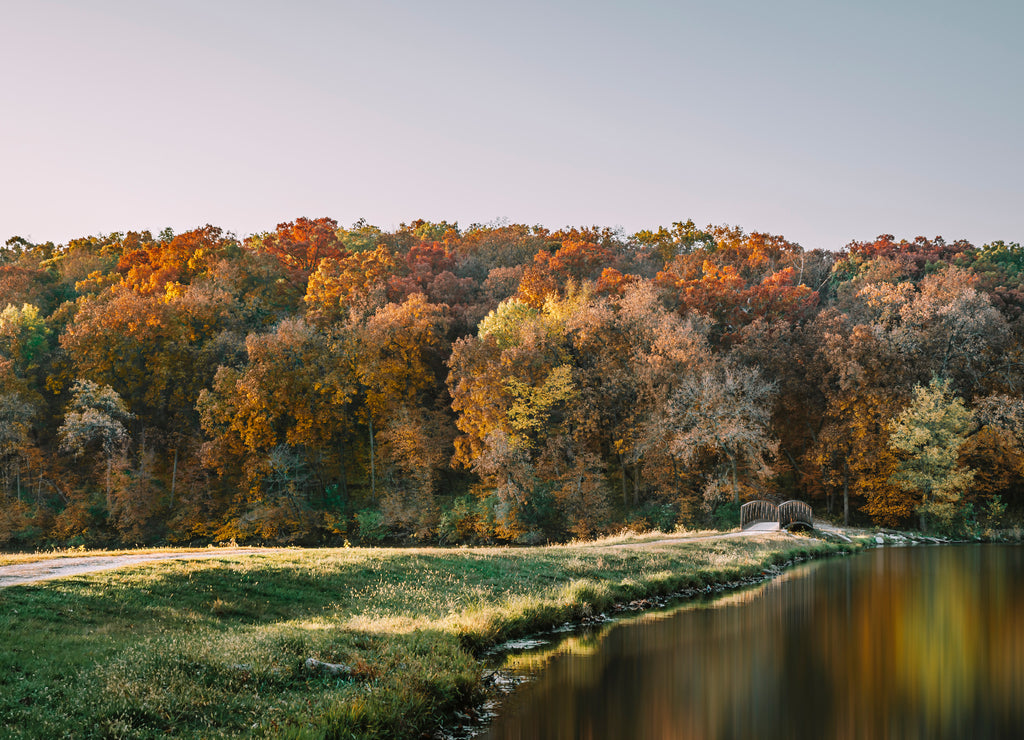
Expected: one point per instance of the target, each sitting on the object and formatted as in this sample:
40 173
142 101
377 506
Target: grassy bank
217 647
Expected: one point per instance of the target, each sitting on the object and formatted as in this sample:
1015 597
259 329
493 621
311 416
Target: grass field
217 647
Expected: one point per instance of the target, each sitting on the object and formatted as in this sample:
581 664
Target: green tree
928 435
23 337
16 416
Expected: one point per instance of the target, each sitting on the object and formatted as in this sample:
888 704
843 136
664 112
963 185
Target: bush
653 515
371 525
465 522
726 516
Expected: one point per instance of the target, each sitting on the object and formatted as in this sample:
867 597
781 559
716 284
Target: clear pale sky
822 121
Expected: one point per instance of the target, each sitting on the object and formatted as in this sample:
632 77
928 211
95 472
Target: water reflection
908 643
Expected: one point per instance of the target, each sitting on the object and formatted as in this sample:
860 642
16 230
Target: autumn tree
16 416
740 278
996 450
358 280
16 451
95 422
789 354
913 256
163 266
415 446
399 361
864 380
630 352
684 237
299 245
280 423
951 329
482 249
573 262
722 419
510 387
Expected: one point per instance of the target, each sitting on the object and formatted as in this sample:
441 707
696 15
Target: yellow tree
398 362
853 455
357 280
510 387
415 446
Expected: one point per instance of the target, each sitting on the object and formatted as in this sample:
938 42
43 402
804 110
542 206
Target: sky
820 120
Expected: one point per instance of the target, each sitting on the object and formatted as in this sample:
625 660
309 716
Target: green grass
216 647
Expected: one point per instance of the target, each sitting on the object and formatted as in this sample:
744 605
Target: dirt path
756 529
44 570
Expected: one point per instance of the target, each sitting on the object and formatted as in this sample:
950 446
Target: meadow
218 647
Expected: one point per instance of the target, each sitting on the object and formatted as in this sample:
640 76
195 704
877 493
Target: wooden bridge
789 515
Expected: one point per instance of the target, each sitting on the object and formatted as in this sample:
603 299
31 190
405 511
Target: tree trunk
373 468
796 468
735 482
625 495
846 500
342 471
174 476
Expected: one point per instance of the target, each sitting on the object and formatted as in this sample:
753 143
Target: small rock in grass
331 669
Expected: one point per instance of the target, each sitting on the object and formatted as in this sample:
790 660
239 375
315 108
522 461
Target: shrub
465 522
371 525
653 515
726 516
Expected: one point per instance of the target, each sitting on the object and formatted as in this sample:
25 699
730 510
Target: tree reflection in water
908 643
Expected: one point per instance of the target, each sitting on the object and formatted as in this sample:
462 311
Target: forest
318 384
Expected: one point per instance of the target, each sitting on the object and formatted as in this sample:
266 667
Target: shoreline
400 640
498 684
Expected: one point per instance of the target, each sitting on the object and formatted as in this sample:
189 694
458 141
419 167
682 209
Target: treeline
316 384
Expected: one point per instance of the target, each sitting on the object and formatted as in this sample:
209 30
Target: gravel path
45 570
50 568
756 529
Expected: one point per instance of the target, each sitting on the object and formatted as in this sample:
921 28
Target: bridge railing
754 512
787 515
795 513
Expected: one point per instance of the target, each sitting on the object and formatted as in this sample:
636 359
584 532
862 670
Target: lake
915 642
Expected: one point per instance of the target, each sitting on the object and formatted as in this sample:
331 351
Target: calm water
923 642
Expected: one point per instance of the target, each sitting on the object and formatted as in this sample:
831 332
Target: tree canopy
318 383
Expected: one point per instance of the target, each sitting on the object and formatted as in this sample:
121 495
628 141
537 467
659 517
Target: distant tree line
500 383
